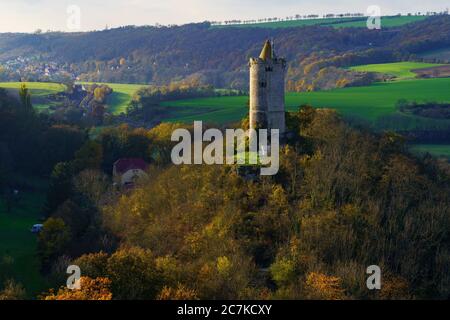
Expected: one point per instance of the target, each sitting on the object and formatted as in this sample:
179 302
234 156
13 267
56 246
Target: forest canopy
344 199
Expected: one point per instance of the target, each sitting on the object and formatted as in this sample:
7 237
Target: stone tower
267 107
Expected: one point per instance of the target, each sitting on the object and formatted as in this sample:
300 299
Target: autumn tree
60 185
90 289
89 156
12 291
53 239
322 287
133 274
178 293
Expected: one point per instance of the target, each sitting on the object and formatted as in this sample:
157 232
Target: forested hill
218 56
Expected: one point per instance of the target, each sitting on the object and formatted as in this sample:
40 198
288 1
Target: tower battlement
262 61
267 90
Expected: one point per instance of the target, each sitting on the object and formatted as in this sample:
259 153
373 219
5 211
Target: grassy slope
118 102
334 22
370 102
288 24
386 22
39 90
121 96
401 70
18 242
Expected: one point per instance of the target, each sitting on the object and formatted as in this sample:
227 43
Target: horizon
27 16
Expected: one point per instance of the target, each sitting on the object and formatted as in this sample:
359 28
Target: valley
373 105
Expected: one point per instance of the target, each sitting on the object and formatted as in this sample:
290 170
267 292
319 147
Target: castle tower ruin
267 90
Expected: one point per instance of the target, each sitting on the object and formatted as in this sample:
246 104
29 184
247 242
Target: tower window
263 84
269 69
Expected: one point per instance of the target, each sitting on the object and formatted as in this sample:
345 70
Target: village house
127 171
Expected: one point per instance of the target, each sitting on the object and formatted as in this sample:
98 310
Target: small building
127 171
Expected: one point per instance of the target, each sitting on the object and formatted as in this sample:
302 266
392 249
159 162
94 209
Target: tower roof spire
266 52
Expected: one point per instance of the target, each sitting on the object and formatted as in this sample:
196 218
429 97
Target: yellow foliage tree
91 289
178 293
395 288
322 287
12 291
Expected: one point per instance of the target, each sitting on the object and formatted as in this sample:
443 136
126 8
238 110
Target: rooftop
123 165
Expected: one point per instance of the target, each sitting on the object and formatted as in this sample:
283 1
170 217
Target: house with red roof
127 171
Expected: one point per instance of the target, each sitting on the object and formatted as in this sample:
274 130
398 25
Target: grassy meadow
117 102
351 22
39 91
368 103
386 22
18 257
121 96
375 105
400 70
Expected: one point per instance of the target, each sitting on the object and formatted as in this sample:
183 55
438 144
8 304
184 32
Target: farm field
39 91
369 103
356 22
401 70
121 96
375 104
386 22
18 257
118 102
294 23
37 88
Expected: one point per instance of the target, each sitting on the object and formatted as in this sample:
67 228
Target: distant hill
219 56
360 22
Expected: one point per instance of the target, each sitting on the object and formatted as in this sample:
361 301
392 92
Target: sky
62 15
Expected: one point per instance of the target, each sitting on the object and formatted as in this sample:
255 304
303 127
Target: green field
117 102
18 243
368 103
39 91
292 23
437 150
375 105
358 22
121 96
400 70
37 88
386 22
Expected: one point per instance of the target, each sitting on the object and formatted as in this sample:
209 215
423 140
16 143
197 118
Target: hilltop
357 20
